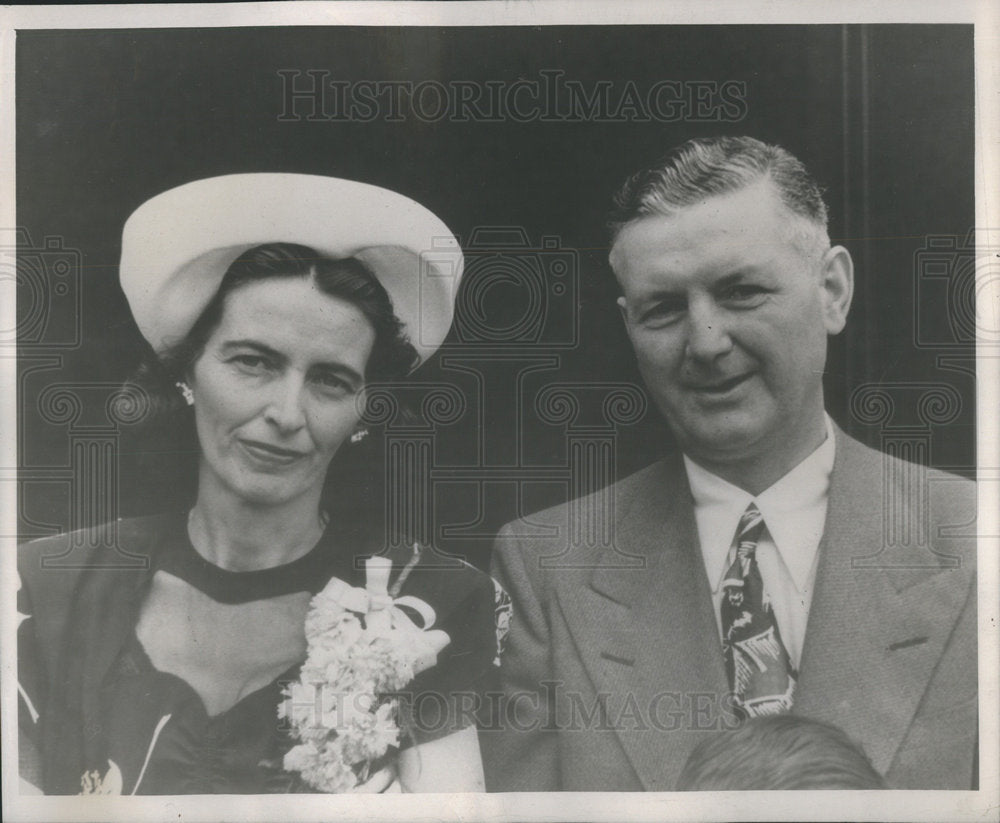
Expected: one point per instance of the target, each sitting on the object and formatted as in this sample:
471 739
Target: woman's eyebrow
341 369
277 356
256 345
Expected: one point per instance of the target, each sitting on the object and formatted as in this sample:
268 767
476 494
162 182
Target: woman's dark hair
392 356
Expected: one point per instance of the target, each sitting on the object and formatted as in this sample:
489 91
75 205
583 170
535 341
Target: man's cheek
654 352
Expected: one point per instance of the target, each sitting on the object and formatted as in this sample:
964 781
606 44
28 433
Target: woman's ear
185 390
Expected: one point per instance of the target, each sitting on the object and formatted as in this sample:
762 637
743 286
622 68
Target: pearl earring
359 435
186 392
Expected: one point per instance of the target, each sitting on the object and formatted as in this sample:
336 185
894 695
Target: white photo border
911 805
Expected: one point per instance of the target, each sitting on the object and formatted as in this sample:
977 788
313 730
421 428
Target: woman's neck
237 536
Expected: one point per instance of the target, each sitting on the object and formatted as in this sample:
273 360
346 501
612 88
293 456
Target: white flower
338 709
300 706
301 757
370 734
334 774
332 631
323 769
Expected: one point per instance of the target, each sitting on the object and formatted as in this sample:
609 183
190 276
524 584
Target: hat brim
177 246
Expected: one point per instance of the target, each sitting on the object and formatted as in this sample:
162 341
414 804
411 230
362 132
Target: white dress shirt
794 511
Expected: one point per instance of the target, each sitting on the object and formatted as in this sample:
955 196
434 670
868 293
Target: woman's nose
284 409
707 333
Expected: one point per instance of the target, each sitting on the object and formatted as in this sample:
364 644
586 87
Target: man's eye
663 311
744 293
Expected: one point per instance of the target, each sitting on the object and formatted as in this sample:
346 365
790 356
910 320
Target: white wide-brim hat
177 246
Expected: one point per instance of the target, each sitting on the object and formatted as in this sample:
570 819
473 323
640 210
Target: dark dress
91 695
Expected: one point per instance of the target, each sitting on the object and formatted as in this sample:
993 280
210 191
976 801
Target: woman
162 664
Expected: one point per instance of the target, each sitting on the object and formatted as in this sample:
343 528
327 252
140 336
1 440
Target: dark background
882 115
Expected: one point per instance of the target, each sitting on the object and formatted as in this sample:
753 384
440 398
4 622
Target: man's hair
779 752
706 167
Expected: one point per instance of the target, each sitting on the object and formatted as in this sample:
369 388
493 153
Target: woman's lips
271 454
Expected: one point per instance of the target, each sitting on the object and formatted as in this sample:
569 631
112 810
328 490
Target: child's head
779 752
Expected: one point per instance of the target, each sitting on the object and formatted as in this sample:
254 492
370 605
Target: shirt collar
794 510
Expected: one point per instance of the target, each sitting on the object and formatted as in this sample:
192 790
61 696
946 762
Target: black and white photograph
556 411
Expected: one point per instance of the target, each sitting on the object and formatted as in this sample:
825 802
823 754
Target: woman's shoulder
79 583
454 588
420 569
57 561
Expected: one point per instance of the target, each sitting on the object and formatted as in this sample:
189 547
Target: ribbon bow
383 614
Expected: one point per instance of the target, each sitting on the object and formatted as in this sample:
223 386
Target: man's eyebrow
732 278
735 276
660 292
741 275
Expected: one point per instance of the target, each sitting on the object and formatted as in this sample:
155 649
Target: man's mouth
718 387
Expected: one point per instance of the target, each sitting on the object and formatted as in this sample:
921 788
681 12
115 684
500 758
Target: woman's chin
267 492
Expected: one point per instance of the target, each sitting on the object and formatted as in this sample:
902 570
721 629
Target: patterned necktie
760 671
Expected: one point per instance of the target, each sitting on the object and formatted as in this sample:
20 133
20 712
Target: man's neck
235 535
758 472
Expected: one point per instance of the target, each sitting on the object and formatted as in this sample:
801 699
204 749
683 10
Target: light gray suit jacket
614 671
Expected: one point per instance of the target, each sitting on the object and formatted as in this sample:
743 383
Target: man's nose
707 333
285 405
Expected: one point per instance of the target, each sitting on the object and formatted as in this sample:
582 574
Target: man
746 576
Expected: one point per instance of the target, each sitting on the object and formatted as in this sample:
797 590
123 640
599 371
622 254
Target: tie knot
748 532
750 521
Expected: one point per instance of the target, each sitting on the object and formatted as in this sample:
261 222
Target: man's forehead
753 217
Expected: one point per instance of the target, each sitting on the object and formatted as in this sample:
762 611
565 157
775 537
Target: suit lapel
648 633
873 640
874 635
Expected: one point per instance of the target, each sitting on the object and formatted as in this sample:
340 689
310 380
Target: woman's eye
250 362
333 384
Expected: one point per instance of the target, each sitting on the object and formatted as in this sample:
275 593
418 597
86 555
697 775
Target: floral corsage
362 648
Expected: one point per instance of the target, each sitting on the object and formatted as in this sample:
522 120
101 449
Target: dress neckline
306 573
136 660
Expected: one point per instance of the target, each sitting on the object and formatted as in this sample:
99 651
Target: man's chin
721 444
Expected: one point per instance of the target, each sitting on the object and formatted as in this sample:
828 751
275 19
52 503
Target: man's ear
837 284
623 310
